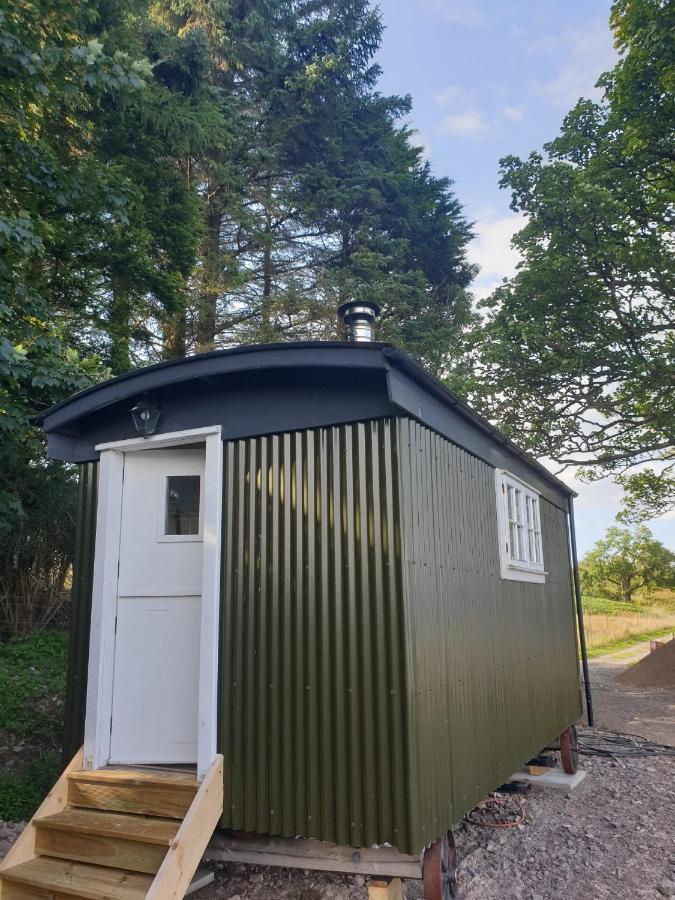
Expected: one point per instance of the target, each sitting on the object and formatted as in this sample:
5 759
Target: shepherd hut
317 602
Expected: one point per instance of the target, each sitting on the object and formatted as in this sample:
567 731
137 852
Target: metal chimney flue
358 318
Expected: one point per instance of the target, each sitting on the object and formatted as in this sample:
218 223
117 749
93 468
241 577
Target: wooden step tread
79 879
151 794
136 777
148 829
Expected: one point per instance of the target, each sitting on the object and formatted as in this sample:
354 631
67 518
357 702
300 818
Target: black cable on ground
604 742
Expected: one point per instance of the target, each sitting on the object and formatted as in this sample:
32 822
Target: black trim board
270 388
452 425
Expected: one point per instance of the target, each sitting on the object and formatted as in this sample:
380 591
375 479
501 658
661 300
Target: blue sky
490 78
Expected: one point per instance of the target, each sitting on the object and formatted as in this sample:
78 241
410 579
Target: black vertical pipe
580 615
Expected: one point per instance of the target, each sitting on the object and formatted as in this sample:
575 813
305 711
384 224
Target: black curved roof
267 388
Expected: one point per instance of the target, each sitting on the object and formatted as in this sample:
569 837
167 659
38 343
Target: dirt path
649 712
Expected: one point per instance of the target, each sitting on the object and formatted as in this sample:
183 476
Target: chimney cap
358 307
359 318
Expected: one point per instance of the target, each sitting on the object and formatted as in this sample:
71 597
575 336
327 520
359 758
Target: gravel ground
613 837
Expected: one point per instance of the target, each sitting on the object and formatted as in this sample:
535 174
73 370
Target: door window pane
182 504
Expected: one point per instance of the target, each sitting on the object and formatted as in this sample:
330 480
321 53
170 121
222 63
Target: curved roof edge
299 355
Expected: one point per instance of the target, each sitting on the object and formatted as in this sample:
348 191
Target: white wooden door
156 660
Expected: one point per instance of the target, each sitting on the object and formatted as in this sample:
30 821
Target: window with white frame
519 518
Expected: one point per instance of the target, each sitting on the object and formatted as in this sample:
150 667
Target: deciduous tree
624 562
578 349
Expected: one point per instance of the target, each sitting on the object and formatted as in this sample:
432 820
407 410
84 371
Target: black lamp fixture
145 416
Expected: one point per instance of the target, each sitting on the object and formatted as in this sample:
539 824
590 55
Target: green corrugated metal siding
493 673
80 611
312 650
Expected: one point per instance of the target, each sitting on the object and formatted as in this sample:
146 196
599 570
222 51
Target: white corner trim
103 610
508 570
104 593
209 636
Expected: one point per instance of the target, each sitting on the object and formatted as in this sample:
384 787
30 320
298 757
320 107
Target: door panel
156 667
153 563
155 715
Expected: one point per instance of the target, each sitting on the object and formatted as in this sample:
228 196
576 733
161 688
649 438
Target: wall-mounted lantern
145 416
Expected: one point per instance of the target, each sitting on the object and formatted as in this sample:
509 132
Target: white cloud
596 507
465 124
585 52
515 113
459 12
451 92
491 250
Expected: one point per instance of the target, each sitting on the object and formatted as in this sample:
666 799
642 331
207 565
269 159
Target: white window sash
521 548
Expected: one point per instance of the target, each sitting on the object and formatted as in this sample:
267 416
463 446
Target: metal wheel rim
569 750
440 869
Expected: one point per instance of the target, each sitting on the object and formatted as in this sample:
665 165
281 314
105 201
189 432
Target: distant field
609 624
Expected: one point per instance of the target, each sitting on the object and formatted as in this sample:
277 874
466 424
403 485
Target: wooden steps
115 834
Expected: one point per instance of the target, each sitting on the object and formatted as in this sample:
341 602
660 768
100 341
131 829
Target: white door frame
104 593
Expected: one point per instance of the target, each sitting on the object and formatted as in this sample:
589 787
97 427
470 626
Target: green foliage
578 349
32 687
22 792
179 177
32 672
624 562
603 606
319 196
53 72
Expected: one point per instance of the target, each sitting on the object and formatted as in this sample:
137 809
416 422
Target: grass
611 625
633 638
32 687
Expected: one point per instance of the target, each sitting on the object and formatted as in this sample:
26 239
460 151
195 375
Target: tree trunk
174 341
211 279
266 326
119 328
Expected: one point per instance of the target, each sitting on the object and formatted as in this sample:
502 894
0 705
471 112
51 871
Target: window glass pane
182 504
509 494
529 506
532 544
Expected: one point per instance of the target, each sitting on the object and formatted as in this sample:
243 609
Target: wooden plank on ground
256 849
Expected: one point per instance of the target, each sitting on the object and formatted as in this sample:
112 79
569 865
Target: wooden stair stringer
186 851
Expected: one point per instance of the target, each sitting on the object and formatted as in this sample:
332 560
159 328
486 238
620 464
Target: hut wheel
569 750
440 869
